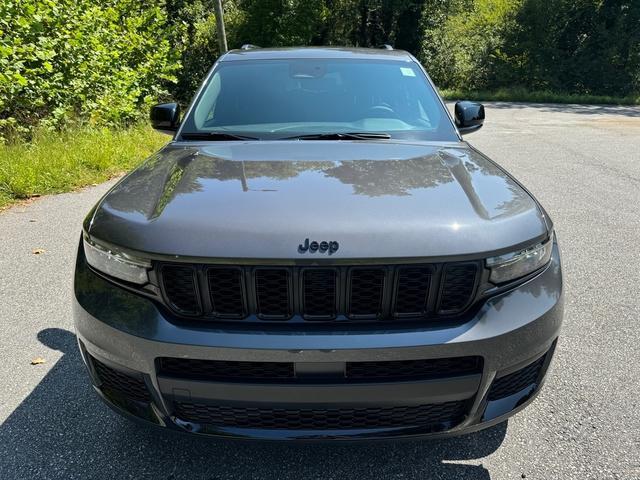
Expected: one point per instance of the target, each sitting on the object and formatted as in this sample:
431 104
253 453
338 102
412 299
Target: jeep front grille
319 294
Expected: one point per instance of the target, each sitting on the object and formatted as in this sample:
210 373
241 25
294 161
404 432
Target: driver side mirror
165 117
469 116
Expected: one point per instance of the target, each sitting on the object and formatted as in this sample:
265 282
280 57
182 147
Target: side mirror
165 117
469 116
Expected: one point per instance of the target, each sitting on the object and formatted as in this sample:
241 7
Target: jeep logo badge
322 247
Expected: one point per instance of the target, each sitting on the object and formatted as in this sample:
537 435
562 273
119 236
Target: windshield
271 99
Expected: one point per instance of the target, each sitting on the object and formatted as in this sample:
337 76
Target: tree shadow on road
62 430
582 109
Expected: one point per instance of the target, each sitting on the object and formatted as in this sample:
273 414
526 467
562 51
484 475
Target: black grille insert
367 287
226 292
397 370
517 381
412 291
434 416
180 286
458 283
222 370
319 293
273 293
120 382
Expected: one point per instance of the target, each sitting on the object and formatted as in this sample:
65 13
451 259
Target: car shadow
62 430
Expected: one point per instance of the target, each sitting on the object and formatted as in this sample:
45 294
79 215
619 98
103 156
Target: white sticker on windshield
407 72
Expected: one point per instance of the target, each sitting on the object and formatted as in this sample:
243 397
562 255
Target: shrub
70 61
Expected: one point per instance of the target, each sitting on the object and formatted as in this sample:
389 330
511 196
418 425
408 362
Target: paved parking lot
582 162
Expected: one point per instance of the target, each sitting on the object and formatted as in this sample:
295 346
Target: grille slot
366 289
211 370
434 416
458 284
226 292
414 369
120 382
273 293
394 370
517 381
180 286
319 293
412 291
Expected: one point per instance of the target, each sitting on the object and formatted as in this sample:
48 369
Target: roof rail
248 46
385 46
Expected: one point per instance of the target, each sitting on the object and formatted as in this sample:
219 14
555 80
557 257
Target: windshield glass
271 99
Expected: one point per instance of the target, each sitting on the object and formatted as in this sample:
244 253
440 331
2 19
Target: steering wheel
382 110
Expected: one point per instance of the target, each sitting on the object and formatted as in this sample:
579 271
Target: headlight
116 264
518 264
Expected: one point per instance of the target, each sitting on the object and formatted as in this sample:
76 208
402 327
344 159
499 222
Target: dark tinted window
282 98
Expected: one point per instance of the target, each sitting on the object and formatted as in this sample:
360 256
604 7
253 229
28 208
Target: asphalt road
582 162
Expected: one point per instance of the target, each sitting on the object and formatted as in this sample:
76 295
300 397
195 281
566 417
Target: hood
264 199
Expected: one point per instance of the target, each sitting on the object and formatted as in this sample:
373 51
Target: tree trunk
222 36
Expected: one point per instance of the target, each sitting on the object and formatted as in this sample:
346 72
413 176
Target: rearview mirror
165 117
469 116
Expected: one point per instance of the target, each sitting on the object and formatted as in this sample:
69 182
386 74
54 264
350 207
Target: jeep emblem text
322 247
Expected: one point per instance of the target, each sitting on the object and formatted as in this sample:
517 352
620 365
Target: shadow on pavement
62 430
627 111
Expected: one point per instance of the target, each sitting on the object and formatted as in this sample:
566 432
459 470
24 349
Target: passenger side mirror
165 117
469 116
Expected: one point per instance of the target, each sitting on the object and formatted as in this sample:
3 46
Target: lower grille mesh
414 369
443 415
225 370
517 381
117 381
284 372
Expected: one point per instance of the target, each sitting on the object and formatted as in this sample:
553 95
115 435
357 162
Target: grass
524 95
60 162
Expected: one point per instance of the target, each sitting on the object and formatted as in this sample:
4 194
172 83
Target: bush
464 48
585 47
69 61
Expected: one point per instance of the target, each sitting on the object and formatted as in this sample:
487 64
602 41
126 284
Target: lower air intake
116 381
517 381
434 416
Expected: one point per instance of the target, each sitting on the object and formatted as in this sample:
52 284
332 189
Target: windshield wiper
215 136
341 136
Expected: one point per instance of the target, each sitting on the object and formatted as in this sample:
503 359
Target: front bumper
514 335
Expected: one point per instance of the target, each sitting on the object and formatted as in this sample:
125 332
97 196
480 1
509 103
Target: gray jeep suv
317 254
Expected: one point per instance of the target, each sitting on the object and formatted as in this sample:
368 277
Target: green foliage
57 162
589 47
103 62
194 40
584 46
64 61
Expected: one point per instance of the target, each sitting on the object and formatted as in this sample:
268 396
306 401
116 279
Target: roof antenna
248 46
385 46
